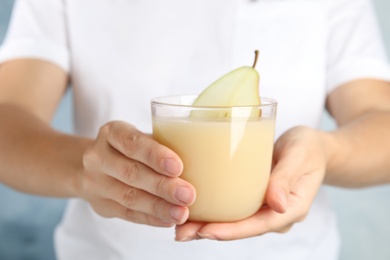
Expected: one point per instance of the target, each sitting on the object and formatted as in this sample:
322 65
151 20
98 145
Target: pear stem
256 57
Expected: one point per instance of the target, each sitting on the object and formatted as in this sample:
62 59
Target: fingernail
172 166
282 198
176 212
184 239
207 236
184 194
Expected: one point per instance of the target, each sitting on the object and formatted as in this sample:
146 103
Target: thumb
278 191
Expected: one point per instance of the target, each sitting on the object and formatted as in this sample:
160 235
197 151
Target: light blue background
27 222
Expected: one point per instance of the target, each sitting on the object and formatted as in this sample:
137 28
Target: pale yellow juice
227 160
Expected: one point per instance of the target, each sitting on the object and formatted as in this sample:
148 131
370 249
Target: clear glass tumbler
226 152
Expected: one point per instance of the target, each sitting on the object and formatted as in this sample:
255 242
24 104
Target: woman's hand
130 176
299 164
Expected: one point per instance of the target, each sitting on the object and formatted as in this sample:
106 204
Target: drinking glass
226 152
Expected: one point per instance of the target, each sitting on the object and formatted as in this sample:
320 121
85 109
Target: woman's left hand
299 165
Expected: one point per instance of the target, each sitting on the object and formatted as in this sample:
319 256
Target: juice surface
228 161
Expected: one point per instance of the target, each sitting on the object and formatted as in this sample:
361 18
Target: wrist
333 152
76 151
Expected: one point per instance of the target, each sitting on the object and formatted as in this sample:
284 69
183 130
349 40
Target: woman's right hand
129 175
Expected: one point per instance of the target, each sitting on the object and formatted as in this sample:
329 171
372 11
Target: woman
117 55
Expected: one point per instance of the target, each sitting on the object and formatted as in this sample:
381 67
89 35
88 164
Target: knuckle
153 154
280 181
106 128
129 197
129 171
156 207
301 217
161 185
99 211
268 227
285 229
109 130
140 218
156 222
278 228
130 214
300 152
130 143
150 220
302 213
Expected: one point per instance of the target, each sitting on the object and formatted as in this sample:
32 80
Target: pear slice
239 87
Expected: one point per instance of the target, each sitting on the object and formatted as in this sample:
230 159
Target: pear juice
227 160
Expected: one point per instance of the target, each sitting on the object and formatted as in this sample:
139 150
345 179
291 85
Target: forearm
359 151
36 159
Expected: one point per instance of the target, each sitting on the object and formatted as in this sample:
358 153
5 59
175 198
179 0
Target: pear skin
238 88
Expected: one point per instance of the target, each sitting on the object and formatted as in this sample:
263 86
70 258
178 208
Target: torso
155 48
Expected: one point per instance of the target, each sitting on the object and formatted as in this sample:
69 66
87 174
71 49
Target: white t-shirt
121 53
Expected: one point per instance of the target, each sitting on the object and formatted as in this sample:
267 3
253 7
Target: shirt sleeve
37 30
355 47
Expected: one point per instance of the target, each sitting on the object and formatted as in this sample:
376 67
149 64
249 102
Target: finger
110 209
136 174
188 231
141 147
283 177
138 200
265 221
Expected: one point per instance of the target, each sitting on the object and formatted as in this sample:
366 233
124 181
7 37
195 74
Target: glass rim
158 101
